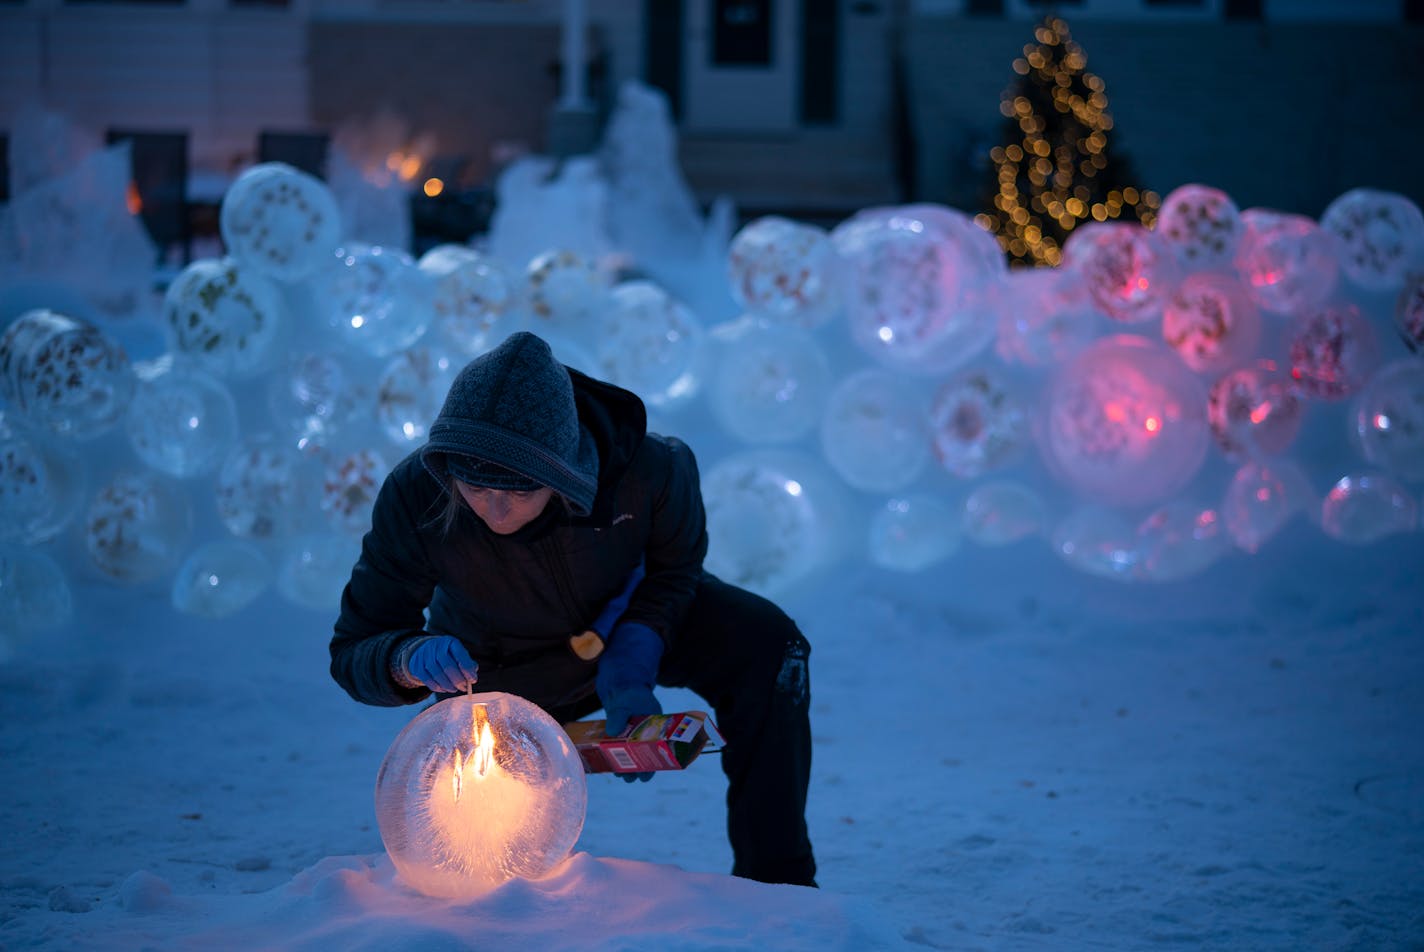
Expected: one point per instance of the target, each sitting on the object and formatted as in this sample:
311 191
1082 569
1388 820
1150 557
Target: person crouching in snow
557 547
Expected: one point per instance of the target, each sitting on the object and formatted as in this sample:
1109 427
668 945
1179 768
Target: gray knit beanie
509 422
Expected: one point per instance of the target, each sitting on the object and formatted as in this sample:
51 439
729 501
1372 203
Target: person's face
503 510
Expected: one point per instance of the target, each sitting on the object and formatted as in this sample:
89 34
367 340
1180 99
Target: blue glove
626 674
442 664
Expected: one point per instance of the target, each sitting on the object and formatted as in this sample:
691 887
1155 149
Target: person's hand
626 674
442 664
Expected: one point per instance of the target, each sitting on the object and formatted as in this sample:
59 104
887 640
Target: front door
740 66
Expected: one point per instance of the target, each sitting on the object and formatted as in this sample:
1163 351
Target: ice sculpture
1254 410
349 489
220 578
1044 317
784 270
1389 419
477 790
1211 322
770 383
1098 541
223 317
1179 540
873 431
376 298
976 424
181 421
280 222
1125 422
317 396
136 526
474 298
1201 224
42 485
34 595
313 568
1333 352
1381 236
1002 512
912 533
1260 500
410 393
651 343
567 292
1365 507
1409 311
64 374
263 489
1286 261
1124 268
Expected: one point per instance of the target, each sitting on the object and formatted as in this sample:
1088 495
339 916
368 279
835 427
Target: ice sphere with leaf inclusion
279 221
477 790
64 374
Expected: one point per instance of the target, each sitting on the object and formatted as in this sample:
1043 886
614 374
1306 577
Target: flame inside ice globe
477 790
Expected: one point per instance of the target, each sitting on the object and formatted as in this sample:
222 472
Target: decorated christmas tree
1054 171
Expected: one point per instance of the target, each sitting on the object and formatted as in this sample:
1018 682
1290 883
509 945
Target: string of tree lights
1055 172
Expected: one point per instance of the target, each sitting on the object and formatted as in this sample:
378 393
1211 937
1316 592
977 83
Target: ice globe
1287 262
1409 311
651 343
1211 322
770 383
1333 352
1002 512
477 790
1179 540
1254 410
1124 268
224 318
219 578
316 396
1124 423
410 392
873 431
1365 507
349 489
42 485
567 292
280 222
34 595
977 423
1098 541
314 567
376 298
1381 236
1261 499
912 533
1045 317
1202 225
63 374
784 270
136 526
1389 419
474 298
264 489
181 421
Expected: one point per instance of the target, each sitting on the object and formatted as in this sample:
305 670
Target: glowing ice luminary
477 790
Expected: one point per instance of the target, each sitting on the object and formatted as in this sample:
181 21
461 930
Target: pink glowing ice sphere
1210 321
1124 422
137 526
477 790
1202 225
349 489
1409 311
1254 411
784 270
1389 419
873 431
224 317
474 298
280 222
1380 234
64 374
1261 499
1127 272
1362 508
976 424
1179 540
377 299
1333 352
1287 262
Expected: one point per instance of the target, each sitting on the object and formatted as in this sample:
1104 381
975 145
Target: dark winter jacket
515 600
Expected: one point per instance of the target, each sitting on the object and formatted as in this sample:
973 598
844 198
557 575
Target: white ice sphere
264 489
784 270
64 374
1045 317
1365 507
1333 351
349 489
313 568
42 485
477 790
1124 423
873 431
1098 541
475 298
566 292
1211 322
1202 225
1261 499
912 533
410 392
770 384
771 518
219 578
1002 512
1381 236
279 221
1127 272
1179 540
137 525
181 421
1409 311
316 396
1286 261
651 343
1389 419
1254 410
977 423
224 317
34 593
377 299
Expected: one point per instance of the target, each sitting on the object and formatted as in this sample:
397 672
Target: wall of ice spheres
890 393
